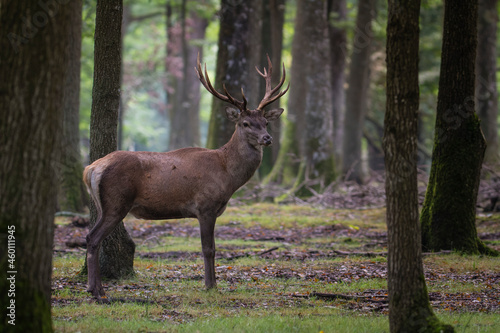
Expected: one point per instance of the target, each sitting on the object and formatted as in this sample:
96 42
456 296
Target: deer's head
250 123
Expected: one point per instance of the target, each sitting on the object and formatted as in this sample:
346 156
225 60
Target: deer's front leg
207 226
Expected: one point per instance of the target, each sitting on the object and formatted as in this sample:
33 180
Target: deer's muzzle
266 140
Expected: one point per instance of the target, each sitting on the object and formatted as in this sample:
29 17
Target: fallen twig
382 254
437 253
106 300
357 253
268 251
328 296
65 213
248 254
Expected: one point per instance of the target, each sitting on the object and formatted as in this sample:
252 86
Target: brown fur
189 182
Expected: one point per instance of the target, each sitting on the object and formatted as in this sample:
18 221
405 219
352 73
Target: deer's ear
273 114
232 114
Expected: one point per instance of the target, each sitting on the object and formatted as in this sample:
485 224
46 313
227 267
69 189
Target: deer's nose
267 140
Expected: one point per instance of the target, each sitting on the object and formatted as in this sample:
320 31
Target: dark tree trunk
272 44
116 257
338 43
184 101
449 212
33 45
486 81
72 194
357 91
409 307
239 51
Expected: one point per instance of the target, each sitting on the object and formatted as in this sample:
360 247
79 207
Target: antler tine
244 105
241 105
268 96
205 81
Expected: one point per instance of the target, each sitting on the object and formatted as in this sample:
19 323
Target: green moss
418 318
449 212
32 309
71 193
284 171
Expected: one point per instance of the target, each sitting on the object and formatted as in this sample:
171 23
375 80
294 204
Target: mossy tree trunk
337 10
307 154
184 91
239 52
32 68
486 80
272 44
116 257
318 130
72 194
449 212
286 168
409 307
357 91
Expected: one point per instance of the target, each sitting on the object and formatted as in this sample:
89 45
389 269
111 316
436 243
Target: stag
184 183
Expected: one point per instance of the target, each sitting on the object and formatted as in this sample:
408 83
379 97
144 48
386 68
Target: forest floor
282 268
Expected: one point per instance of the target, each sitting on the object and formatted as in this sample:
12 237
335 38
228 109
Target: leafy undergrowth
279 269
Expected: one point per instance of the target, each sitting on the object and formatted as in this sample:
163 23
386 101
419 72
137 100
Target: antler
204 79
268 97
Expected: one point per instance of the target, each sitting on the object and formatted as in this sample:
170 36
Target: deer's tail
92 177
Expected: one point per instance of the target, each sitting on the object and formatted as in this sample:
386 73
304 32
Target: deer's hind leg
108 221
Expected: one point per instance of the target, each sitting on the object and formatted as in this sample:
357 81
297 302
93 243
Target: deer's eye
245 124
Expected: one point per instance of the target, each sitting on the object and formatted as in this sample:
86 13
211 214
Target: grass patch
299 323
269 293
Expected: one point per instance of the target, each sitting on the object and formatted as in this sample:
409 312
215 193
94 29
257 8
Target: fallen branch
327 296
363 254
437 253
249 255
382 254
65 213
106 300
268 251
265 239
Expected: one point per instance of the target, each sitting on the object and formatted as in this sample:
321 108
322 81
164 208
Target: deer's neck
242 159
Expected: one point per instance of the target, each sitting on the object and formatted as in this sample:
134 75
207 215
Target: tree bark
486 82
184 101
32 69
338 45
286 168
239 51
72 194
307 153
449 212
409 307
357 91
272 44
318 141
116 257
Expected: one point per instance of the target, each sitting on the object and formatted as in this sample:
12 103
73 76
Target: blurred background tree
162 107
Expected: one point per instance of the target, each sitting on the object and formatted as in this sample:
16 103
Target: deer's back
181 183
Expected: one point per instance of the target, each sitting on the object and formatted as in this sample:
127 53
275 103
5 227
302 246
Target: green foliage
146 121
146 125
